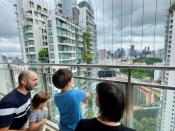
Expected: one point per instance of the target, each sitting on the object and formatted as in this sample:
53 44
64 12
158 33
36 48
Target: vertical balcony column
44 78
45 88
129 101
12 79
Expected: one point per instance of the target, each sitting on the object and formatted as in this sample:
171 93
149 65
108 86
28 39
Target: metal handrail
128 82
129 67
102 66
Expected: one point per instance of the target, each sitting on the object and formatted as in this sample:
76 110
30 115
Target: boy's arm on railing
87 97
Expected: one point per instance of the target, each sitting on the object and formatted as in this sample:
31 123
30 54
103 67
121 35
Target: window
31 49
50 40
31 4
52 55
49 23
51 48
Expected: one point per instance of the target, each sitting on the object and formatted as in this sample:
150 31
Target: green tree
87 47
43 55
172 8
145 124
138 73
148 61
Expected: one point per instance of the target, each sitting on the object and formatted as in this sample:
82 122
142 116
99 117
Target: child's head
62 78
39 100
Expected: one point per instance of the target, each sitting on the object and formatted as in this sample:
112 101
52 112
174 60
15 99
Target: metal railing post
45 88
44 79
12 79
129 101
45 82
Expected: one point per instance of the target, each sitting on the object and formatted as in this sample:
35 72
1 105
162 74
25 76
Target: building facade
167 112
87 23
39 28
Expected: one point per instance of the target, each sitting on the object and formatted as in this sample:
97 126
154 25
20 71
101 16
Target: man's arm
4 129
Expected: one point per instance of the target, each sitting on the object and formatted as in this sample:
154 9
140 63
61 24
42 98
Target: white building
32 23
42 28
167 112
87 23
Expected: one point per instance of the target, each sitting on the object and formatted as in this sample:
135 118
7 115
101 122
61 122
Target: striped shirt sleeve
7 112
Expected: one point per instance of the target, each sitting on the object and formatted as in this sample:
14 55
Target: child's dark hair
61 78
39 98
111 101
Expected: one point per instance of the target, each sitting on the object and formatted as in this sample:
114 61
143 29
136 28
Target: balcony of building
143 93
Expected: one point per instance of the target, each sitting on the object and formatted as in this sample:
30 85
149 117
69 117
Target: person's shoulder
87 122
77 90
10 100
127 128
87 125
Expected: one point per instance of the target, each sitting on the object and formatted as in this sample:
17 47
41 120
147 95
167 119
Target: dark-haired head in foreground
110 100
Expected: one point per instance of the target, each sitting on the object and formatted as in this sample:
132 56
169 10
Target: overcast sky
9 36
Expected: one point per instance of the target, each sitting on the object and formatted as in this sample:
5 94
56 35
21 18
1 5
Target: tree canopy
43 54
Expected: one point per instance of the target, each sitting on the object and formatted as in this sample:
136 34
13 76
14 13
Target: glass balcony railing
144 93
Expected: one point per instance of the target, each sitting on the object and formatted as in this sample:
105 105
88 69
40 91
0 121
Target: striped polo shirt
14 110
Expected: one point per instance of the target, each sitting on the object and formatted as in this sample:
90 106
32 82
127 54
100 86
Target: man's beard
28 87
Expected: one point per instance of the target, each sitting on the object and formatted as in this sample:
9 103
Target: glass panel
6 85
40 86
146 108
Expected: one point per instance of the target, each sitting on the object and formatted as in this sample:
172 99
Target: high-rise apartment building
167 112
71 10
32 24
102 53
41 28
87 23
67 6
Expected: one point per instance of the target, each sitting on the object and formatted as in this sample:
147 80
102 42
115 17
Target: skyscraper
167 112
70 10
87 23
40 28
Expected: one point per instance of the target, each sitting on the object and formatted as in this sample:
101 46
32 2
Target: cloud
9 41
8 24
9 45
122 25
9 34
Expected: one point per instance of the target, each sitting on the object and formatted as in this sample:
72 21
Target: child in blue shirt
68 100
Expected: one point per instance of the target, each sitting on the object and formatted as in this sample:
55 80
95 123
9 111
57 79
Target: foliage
43 54
139 73
91 114
145 124
87 34
172 8
159 81
39 8
88 56
148 61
